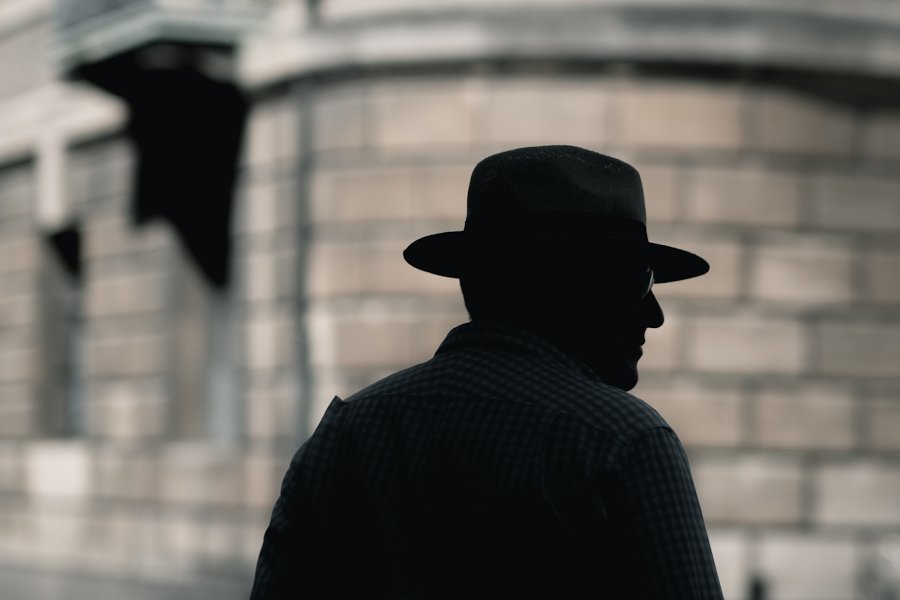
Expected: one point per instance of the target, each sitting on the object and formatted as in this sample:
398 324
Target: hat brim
449 254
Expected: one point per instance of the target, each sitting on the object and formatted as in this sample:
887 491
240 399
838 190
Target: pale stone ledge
847 37
74 112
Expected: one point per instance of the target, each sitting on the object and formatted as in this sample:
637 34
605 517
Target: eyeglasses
632 282
626 283
649 284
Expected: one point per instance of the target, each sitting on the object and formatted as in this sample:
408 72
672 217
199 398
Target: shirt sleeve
663 522
290 540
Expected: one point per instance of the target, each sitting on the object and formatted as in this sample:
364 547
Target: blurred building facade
157 370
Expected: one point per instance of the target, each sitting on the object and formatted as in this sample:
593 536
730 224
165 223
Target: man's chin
626 383
623 376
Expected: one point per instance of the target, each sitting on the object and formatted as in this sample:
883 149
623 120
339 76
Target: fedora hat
552 198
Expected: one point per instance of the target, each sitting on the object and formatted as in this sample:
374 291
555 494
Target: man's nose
652 311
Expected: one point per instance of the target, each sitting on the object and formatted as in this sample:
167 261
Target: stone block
17 417
882 276
371 268
856 203
700 414
427 335
662 187
440 193
334 269
198 474
803 566
119 534
125 473
860 349
112 237
272 132
20 254
261 415
883 423
252 534
28 37
15 524
151 262
273 413
18 204
135 294
104 237
268 276
270 341
12 467
339 119
262 477
19 309
58 537
410 115
747 344
679 116
373 342
723 281
793 123
17 365
810 271
58 469
364 194
743 196
525 112
17 187
662 349
882 137
861 493
151 237
145 355
259 278
114 175
181 535
220 543
810 416
260 214
20 283
730 551
750 489
267 206
383 271
129 409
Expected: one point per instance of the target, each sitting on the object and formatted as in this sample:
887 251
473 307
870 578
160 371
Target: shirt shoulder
487 376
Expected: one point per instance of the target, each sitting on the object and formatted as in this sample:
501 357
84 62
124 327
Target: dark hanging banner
187 129
66 243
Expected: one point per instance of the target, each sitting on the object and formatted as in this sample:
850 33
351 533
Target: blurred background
203 205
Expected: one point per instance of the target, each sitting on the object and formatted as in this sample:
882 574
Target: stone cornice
856 38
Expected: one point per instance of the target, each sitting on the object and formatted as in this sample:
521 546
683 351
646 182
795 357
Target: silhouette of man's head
598 311
555 241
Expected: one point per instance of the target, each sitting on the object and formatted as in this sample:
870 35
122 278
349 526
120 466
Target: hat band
576 224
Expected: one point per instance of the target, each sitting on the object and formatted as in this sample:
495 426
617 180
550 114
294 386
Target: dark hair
483 301
510 293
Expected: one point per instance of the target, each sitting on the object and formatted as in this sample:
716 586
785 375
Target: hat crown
552 199
555 179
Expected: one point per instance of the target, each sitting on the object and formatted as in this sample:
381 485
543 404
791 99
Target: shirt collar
508 338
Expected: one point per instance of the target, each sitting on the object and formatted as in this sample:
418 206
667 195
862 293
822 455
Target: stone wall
779 368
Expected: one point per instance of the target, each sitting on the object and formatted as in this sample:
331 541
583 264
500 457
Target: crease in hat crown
560 178
567 190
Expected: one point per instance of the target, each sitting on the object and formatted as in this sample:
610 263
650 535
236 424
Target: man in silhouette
513 464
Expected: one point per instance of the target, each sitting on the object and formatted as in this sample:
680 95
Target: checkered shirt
501 468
